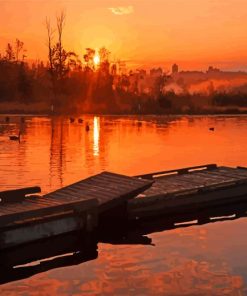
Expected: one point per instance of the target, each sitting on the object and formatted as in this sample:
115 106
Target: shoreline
121 114
41 109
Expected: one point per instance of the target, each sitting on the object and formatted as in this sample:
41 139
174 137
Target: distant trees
230 99
93 84
20 82
61 61
89 58
77 83
14 82
19 50
9 53
24 84
165 101
13 52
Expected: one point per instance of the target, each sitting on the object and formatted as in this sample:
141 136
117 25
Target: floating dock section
25 218
189 190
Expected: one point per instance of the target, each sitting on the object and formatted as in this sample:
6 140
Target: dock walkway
68 209
189 189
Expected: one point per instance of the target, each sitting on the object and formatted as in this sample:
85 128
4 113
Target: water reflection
96 134
177 274
41 256
57 151
202 259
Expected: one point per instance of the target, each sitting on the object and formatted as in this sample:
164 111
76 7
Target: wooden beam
168 204
17 194
242 168
178 171
76 206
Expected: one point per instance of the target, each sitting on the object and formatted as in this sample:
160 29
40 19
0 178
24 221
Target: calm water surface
200 260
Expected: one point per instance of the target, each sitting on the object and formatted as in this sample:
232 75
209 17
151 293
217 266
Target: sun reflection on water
96 133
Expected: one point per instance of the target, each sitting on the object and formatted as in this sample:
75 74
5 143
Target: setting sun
96 59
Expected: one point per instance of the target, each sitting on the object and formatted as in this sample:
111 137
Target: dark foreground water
200 260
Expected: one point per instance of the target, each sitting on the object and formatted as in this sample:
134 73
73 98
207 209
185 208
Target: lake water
200 260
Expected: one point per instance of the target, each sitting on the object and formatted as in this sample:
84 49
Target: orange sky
194 33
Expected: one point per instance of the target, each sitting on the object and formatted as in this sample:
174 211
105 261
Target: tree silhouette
9 53
18 49
88 58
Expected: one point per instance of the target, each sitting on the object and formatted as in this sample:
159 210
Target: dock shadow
44 255
135 232
74 249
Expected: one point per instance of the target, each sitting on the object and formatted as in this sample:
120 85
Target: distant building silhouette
142 73
114 70
213 70
122 68
174 69
156 72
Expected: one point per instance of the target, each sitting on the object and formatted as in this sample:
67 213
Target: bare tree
60 26
60 60
50 37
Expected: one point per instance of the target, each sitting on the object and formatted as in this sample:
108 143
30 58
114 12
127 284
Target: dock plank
234 173
202 180
113 186
190 190
106 190
235 170
38 211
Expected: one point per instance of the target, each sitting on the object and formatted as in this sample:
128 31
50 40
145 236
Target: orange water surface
199 260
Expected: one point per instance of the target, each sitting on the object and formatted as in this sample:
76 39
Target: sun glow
96 59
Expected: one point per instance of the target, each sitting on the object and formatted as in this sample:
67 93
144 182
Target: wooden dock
107 198
189 190
25 218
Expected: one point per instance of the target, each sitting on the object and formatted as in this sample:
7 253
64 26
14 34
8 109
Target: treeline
81 87
65 87
65 84
20 82
230 99
68 84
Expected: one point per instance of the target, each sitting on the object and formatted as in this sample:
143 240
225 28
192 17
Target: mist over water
199 260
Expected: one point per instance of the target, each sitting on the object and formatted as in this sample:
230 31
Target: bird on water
87 127
15 138
211 129
80 120
72 119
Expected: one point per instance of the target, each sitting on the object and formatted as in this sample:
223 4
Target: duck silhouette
15 138
87 128
72 119
211 129
80 120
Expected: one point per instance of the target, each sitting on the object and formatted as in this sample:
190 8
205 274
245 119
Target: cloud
121 10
